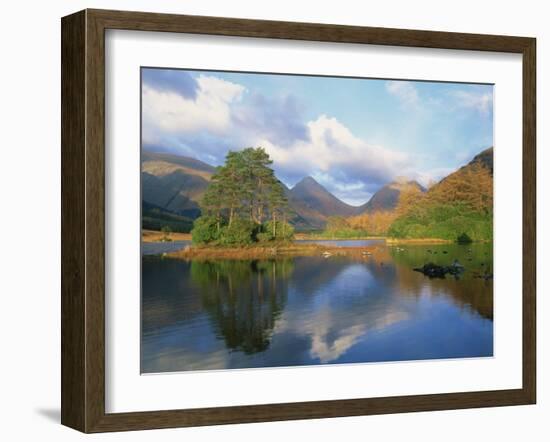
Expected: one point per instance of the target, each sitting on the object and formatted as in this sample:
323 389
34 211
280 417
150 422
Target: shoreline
283 250
274 252
320 237
156 236
418 241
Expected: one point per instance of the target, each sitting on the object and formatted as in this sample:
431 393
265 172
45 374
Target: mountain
163 163
462 202
303 217
310 193
387 197
472 184
484 159
174 183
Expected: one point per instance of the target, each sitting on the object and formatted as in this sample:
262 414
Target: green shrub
205 230
445 221
241 232
463 239
264 236
279 231
285 231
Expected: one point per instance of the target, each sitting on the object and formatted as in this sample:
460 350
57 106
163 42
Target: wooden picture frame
83 220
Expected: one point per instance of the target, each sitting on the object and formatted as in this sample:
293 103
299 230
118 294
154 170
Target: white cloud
329 340
332 335
324 148
481 102
169 112
337 157
405 91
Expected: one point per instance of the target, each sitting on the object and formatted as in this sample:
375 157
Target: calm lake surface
342 242
312 310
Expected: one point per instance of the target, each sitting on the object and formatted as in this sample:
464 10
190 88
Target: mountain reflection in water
222 314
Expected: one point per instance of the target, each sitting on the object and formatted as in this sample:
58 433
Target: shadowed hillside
176 184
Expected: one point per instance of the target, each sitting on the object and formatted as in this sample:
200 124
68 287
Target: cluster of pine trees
243 203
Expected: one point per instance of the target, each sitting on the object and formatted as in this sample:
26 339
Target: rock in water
436 271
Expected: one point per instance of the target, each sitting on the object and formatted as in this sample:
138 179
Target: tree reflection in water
243 299
216 314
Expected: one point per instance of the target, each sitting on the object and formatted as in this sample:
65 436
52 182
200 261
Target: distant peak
401 183
307 181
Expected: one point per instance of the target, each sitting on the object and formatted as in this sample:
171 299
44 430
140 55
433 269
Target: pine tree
278 204
245 188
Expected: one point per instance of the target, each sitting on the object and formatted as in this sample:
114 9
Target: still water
313 310
342 242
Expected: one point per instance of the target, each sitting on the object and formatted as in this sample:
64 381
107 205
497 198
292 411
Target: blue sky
352 135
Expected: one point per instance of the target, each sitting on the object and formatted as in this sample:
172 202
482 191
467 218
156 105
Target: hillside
172 188
155 218
462 202
302 216
315 196
175 184
387 198
164 163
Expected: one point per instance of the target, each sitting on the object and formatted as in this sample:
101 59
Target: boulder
436 271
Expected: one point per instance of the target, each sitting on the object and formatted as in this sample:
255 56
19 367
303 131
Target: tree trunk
231 214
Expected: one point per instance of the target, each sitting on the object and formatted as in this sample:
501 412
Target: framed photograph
269 220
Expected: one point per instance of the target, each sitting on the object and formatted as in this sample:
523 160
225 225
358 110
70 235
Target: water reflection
243 299
309 310
343 242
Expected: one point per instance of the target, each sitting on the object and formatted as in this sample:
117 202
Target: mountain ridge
387 197
315 194
176 183
460 203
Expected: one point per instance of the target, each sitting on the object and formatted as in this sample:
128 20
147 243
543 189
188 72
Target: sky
353 135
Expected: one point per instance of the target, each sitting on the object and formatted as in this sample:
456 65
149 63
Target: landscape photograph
302 220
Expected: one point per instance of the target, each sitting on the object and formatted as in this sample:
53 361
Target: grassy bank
388 240
270 252
156 236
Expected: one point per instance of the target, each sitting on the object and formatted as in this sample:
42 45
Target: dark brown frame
83 217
